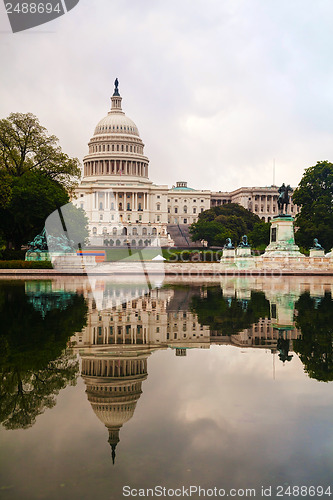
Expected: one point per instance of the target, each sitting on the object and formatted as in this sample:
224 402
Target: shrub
24 264
12 254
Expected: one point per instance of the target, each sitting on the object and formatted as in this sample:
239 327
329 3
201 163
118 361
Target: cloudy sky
219 89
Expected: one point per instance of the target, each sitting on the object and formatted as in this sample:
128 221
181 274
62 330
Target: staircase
181 235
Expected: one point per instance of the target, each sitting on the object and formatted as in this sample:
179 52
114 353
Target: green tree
25 146
260 234
315 348
205 230
32 197
314 195
227 221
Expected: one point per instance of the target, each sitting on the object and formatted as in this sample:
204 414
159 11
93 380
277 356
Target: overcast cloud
217 88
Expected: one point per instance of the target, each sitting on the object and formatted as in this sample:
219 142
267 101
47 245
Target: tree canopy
229 221
36 178
29 200
26 146
314 195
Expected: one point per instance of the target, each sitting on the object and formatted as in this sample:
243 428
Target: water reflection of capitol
126 324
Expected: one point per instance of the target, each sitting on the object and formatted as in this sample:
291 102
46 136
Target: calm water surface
215 384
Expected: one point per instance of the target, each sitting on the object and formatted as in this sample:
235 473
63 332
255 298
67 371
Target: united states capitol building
125 207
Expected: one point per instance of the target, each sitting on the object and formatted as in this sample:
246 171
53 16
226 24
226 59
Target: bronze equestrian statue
284 198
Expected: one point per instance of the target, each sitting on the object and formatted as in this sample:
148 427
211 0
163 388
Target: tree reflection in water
34 362
229 315
315 348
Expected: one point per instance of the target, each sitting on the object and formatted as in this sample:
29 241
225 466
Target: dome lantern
116 99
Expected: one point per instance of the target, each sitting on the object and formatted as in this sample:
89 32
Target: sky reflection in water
223 415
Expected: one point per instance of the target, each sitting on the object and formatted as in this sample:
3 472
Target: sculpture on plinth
243 251
228 244
316 244
39 246
317 250
284 198
244 243
282 238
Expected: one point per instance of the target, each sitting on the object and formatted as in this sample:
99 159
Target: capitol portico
125 208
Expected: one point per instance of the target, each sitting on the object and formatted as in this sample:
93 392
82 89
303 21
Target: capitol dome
116 148
116 123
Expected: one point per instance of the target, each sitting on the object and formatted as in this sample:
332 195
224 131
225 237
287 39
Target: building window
176 210
158 218
101 206
101 217
194 210
185 209
158 206
185 221
94 230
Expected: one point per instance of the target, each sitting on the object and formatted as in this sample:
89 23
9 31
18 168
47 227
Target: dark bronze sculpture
228 244
116 90
244 243
284 198
317 245
39 243
59 244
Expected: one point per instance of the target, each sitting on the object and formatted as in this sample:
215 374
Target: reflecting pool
108 389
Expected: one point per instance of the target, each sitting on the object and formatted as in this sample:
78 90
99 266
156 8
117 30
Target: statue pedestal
243 252
40 256
282 240
71 262
317 252
228 253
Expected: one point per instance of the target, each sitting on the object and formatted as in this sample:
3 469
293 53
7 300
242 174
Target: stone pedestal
41 256
243 252
71 261
282 239
228 253
317 252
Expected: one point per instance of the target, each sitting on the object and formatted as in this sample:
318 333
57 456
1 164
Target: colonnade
116 167
121 200
113 367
